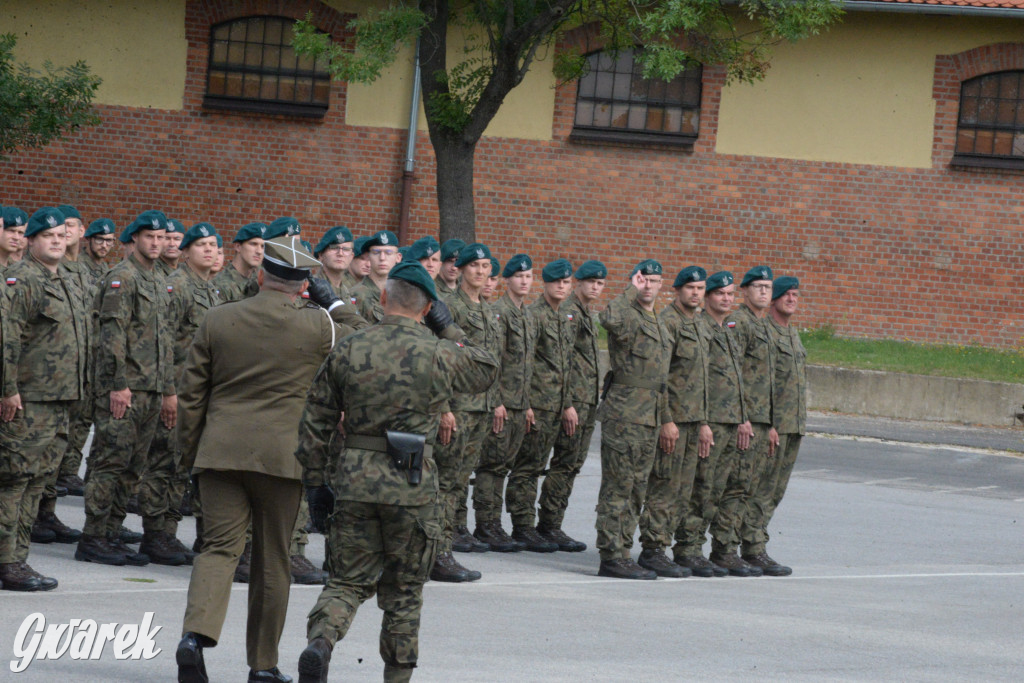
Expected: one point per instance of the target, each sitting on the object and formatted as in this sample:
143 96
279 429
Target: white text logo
82 639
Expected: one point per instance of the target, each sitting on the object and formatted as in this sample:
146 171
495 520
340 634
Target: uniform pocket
423 545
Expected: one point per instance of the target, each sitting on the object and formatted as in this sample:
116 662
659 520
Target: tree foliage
37 107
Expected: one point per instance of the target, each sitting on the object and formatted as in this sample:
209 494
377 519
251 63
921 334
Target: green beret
251 231
517 264
69 211
783 285
220 241
359 246
13 217
100 226
381 238
722 278
424 247
412 272
147 220
44 219
690 274
307 245
472 252
450 248
336 235
756 273
647 267
495 267
402 251
591 270
286 257
174 225
197 232
286 225
557 270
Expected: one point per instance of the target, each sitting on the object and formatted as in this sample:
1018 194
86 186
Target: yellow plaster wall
137 47
861 93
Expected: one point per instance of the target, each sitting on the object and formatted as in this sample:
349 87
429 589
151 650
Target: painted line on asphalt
968 488
875 482
917 444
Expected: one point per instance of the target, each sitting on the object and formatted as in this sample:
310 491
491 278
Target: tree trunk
455 186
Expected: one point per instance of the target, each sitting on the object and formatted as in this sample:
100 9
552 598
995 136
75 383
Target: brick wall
929 255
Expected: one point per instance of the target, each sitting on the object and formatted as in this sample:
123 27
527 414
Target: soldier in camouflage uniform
427 251
171 252
573 440
671 482
447 278
44 371
359 266
390 378
134 385
238 278
12 237
517 333
633 409
99 240
789 410
382 248
335 250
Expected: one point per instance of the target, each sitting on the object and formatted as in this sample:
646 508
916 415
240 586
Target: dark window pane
691 122
587 84
968 111
584 113
1018 145
972 88
322 91
1006 113
233 87
605 80
251 87
220 51
674 91
221 32
306 63
1002 144
286 89
989 86
255 33
268 88
603 115
1008 86
655 120
304 89
620 115
288 59
986 111
275 31
236 53
965 142
253 55
622 87
692 86
656 90
238 31
271 57
216 84
638 117
983 142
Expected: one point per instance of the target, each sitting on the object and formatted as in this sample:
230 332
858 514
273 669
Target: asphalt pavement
908 565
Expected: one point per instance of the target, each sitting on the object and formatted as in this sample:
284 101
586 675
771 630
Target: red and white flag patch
115 283
12 280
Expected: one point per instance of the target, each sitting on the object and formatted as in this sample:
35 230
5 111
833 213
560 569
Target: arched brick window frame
951 71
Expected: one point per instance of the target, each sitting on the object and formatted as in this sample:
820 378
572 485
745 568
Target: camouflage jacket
688 367
477 323
97 269
726 401
638 352
584 376
342 290
367 296
442 287
45 328
350 281
232 285
191 298
549 384
517 335
163 268
135 348
790 397
392 376
751 333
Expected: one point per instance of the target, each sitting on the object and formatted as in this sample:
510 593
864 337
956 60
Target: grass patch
973 362
141 580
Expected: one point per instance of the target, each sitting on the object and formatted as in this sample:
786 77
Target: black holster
406 451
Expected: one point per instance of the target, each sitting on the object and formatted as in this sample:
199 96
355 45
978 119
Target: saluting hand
120 402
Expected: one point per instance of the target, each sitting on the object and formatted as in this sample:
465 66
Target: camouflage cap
450 248
472 252
286 225
381 238
783 285
722 278
197 232
339 234
412 272
13 217
757 273
44 219
424 247
251 231
287 258
101 226
557 270
690 274
517 264
647 267
591 270
69 211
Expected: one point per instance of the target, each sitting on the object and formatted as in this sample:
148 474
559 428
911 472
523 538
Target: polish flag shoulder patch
569 316
730 324
170 288
115 284
12 280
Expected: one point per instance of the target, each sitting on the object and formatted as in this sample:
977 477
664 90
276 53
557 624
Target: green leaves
35 107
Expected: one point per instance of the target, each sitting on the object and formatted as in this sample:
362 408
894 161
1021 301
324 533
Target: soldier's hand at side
500 414
668 436
9 407
447 428
530 419
773 441
744 433
570 419
120 402
169 411
341 424
705 440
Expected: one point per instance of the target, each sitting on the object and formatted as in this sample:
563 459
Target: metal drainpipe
408 174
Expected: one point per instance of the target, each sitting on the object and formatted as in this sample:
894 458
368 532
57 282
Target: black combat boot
129 536
158 545
656 560
97 549
175 543
535 543
624 568
15 578
189 657
62 533
304 573
769 566
448 570
565 542
273 675
131 557
41 534
465 542
735 565
314 660
73 483
495 537
701 566
46 583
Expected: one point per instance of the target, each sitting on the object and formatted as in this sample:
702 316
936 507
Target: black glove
439 318
321 505
321 292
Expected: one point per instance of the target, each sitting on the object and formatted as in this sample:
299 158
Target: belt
377 443
640 383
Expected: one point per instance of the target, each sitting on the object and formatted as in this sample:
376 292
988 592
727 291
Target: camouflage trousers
29 457
566 462
627 456
117 460
496 461
455 464
669 489
387 550
162 485
528 467
767 492
79 422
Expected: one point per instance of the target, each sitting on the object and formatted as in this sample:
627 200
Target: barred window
990 128
614 102
253 67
